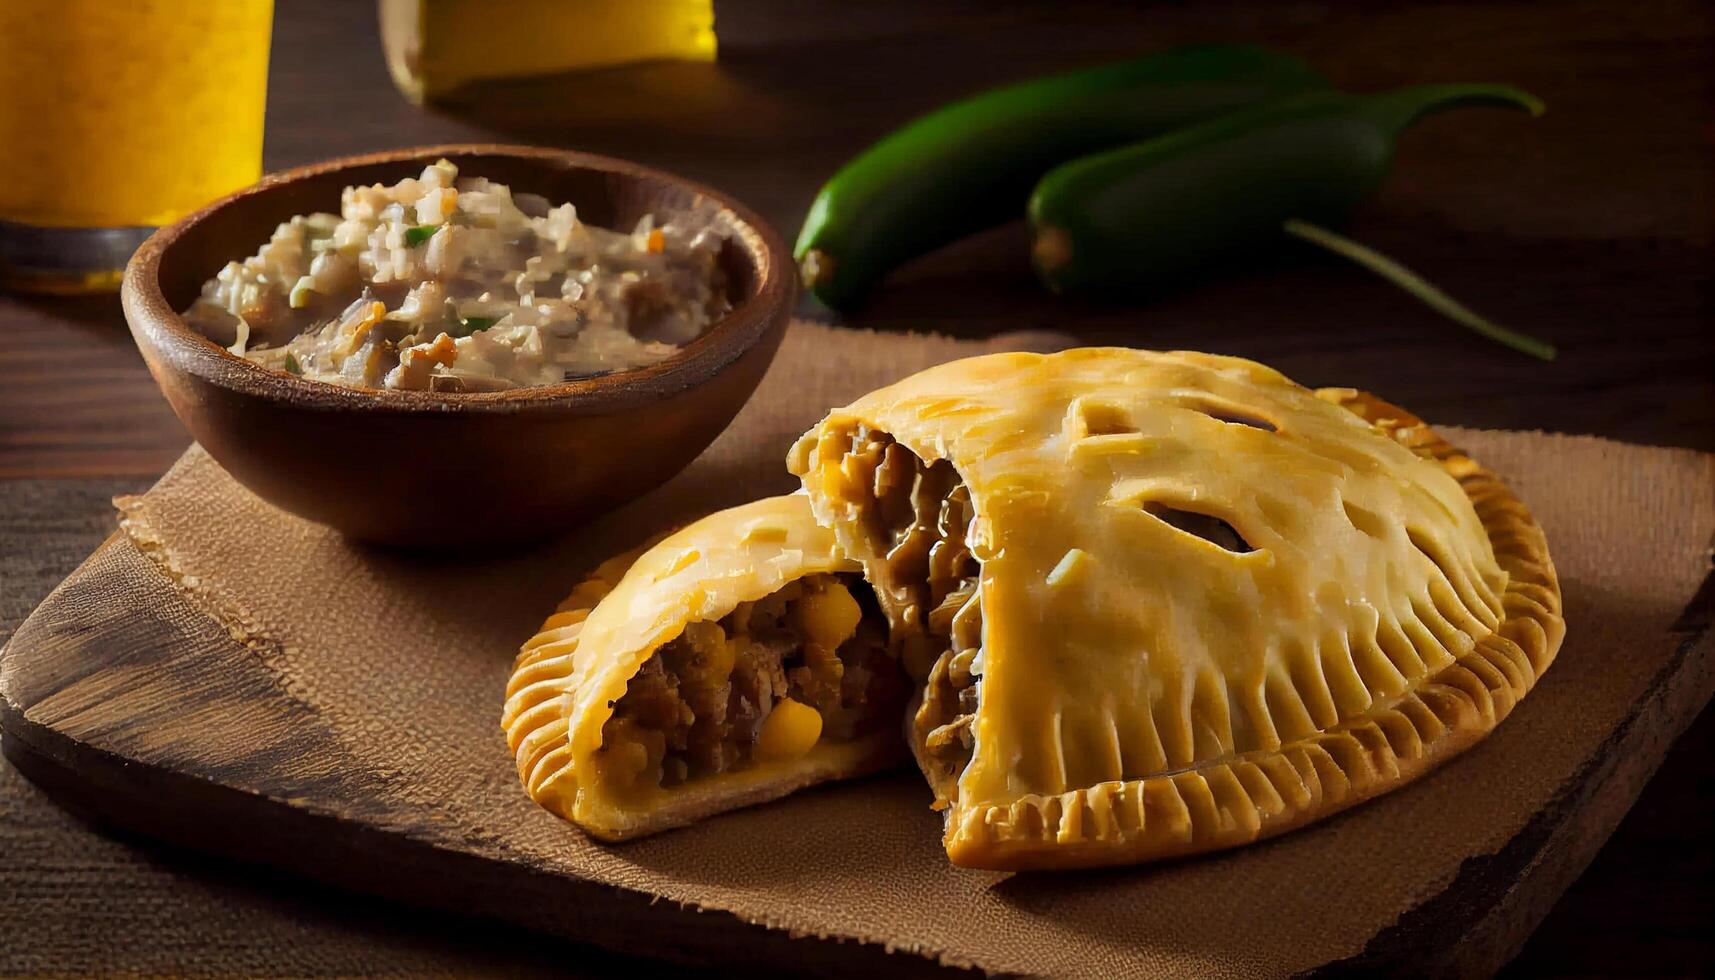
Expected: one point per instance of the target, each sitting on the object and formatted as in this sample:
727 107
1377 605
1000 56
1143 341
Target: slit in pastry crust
1180 603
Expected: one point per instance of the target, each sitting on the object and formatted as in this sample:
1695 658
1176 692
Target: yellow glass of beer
117 116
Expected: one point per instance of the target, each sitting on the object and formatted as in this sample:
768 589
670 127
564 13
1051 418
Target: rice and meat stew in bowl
450 283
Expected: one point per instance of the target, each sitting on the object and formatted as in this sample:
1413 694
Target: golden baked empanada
733 662
1162 603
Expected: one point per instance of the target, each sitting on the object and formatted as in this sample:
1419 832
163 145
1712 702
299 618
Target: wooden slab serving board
121 698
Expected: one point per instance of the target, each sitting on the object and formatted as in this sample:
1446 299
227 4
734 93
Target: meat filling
768 681
917 517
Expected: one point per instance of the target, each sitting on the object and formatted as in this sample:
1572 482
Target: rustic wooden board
106 753
103 681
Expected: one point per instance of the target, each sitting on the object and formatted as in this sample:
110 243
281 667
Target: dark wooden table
1592 226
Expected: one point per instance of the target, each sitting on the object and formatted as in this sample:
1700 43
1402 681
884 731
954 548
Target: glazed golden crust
569 676
1260 794
1148 693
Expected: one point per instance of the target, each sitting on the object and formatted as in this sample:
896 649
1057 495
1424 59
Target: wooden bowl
439 471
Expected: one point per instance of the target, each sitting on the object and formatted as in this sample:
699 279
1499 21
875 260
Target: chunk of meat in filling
768 681
917 516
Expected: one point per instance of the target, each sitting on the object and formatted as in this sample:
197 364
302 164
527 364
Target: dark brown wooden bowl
455 471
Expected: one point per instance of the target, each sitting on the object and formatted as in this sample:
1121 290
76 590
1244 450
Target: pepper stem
1398 109
1419 287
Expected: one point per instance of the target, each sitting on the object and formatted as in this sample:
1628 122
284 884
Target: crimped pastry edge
1260 794
536 720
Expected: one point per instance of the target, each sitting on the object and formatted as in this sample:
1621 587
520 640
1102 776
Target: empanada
1163 603
735 661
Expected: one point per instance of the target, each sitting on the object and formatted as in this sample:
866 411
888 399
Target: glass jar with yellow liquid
117 116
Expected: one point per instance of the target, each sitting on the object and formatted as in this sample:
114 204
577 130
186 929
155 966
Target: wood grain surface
174 655
123 697
1591 226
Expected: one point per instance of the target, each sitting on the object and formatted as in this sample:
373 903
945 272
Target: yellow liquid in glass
128 112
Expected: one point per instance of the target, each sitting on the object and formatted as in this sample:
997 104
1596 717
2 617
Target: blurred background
1591 226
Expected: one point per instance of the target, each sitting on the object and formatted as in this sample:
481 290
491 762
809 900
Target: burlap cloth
406 661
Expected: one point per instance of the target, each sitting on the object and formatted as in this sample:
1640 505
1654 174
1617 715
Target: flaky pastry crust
568 677
1375 603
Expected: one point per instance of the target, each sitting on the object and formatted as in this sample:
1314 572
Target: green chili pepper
419 234
292 366
965 167
1151 215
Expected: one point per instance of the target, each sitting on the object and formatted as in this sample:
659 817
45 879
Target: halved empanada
733 662
1167 603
